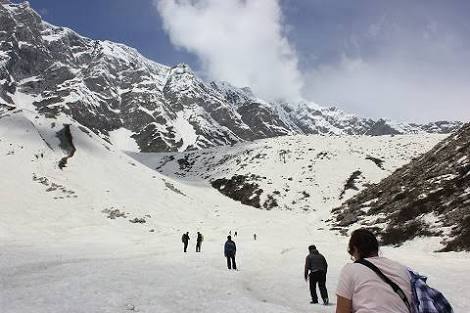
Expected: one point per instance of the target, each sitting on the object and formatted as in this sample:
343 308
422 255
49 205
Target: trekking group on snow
230 248
185 239
371 283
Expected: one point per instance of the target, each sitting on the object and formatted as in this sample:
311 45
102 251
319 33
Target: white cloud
408 72
394 65
239 41
384 88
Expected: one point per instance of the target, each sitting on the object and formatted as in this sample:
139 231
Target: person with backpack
199 240
359 281
316 268
230 249
378 284
185 240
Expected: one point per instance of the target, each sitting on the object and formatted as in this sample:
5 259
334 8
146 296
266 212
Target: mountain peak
108 86
182 68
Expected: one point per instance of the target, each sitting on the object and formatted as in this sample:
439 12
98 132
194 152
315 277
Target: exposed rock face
106 86
240 188
66 143
428 197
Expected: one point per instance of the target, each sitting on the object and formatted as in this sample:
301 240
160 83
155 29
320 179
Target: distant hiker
185 240
230 233
316 264
230 249
282 155
370 292
254 236
236 234
199 240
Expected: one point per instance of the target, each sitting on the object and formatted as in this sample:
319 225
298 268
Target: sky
402 59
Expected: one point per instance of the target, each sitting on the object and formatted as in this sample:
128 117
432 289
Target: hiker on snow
230 249
185 240
199 240
370 292
378 284
316 264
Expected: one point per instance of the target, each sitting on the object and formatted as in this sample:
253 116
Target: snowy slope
62 253
429 196
302 173
95 179
85 227
107 86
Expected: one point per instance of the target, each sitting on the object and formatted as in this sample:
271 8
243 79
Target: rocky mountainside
298 173
428 197
107 86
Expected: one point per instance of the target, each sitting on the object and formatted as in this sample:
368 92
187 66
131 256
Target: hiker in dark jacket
185 240
199 240
230 249
315 263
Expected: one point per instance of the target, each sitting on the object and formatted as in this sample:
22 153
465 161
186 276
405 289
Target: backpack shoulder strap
394 286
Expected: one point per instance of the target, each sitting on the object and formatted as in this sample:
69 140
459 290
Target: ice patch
121 139
25 101
185 131
52 37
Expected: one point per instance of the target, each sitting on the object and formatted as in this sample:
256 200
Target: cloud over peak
402 60
239 41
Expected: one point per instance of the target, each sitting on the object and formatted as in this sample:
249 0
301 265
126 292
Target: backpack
426 299
387 280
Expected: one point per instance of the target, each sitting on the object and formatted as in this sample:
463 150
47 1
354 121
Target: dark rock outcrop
66 144
240 188
428 197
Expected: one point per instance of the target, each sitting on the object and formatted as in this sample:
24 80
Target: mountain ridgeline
107 86
428 197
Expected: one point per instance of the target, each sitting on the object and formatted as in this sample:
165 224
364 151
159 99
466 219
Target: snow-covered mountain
124 97
428 197
86 228
299 173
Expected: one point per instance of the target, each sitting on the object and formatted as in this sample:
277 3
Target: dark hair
311 247
229 237
365 243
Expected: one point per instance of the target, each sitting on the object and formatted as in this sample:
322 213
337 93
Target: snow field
303 173
60 253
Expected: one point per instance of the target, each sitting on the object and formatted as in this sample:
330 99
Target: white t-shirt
368 292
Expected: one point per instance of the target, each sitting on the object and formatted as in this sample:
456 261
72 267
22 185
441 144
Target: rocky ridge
428 197
107 86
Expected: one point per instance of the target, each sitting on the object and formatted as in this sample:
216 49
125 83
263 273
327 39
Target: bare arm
343 305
